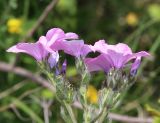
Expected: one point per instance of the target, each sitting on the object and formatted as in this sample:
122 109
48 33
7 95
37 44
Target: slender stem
70 111
45 112
103 116
86 114
86 119
103 107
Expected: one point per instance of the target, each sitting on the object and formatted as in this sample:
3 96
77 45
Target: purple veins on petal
43 41
75 48
56 38
36 50
98 63
55 34
100 46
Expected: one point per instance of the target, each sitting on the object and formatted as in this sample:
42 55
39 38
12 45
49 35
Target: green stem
70 111
86 117
103 116
86 114
103 107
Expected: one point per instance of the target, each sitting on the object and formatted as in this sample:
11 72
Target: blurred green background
134 22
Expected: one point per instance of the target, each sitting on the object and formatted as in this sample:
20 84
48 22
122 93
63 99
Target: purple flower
64 67
40 50
62 70
75 48
53 59
113 56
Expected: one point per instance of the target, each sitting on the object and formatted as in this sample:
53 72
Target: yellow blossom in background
14 26
92 94
131 19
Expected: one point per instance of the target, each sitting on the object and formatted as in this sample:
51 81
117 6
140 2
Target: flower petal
98 63
71 35
55 33
135 55
36 50
100 46
86 49
122 48
75 48
43 40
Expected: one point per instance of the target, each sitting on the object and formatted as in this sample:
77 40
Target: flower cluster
112 59
112 56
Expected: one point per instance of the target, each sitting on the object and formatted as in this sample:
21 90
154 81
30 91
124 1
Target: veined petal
43 40
141 54
73 47
86 49
100 46
98 63
36 50
135 55
56 39
55 33
122 48
14 49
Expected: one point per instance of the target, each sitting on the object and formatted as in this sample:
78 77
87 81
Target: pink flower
113 56
41 49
